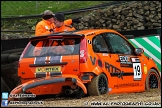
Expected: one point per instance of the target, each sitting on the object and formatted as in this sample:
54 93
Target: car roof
78 33
96 31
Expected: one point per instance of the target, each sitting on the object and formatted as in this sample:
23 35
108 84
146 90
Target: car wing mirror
139 51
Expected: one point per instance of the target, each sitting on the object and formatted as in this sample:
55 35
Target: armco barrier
151 45
21 43
143 39
14 44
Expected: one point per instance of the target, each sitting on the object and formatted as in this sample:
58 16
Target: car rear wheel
98 85
153 80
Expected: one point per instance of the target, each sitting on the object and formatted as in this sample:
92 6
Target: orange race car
92 62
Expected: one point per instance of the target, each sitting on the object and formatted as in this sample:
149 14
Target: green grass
18 8
23 8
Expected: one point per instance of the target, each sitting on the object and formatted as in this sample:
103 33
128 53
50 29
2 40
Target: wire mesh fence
10 9
20 8
143 14
14 8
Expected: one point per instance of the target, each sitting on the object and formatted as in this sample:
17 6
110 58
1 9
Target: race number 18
137 71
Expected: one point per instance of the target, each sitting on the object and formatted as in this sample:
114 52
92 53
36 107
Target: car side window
99 45
119 45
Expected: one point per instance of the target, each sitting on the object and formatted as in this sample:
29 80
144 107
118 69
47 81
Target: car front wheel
153 80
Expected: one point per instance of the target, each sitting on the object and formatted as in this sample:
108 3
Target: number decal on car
137 71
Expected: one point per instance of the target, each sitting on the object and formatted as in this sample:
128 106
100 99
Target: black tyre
4 58
12 51
9 74
80 93
17 53
98 85
13 58
153 80
4 87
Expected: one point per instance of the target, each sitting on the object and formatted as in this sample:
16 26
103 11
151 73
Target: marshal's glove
76 20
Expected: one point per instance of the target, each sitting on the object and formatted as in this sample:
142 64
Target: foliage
20 8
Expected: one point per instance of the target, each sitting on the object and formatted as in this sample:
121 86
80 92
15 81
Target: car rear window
53 47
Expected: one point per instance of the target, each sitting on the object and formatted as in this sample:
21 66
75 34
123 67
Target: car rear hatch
52 55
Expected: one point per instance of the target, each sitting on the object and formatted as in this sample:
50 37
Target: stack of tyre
10 56
9 64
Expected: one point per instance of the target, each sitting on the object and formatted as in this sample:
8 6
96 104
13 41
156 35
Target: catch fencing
8 8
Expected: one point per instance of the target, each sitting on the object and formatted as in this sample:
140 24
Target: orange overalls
64 28
43 27
37 49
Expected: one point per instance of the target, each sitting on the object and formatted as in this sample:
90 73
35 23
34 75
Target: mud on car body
92 62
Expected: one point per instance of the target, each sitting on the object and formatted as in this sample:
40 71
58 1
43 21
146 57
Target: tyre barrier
4 87
13 51
4 58
9 58
13 58
9 76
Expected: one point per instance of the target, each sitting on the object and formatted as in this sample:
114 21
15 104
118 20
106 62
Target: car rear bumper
44 82
48 80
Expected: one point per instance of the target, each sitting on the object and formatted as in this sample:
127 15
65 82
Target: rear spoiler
55 34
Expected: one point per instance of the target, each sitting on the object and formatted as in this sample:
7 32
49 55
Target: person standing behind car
47 25
60 25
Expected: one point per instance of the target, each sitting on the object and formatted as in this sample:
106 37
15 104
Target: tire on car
153 80
98 85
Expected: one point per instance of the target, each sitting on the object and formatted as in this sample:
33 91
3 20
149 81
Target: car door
128 63
104 59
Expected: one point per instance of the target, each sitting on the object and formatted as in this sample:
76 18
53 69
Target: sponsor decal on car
125 61
49 69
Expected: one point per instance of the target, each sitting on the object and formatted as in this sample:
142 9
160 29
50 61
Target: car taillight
22 54
83 51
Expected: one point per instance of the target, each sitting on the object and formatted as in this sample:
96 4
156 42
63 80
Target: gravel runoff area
143 99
